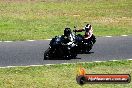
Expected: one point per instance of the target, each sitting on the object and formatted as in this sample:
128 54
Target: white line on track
124 35
8 41
48 39
129 59
30 40
36 65
113 60
49 64
108 36
68 63
99 61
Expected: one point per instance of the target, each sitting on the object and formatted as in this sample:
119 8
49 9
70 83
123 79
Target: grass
62 76
42 19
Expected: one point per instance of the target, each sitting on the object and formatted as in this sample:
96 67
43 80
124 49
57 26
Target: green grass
42 19
62 76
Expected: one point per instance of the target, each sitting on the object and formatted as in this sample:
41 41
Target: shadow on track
68 58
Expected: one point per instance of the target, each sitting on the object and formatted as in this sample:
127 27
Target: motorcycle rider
69 39
69 35
88 31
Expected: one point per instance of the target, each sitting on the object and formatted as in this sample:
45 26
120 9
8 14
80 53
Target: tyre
47 54
73 55
93 39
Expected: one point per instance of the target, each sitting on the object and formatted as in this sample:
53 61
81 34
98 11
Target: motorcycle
60 49
83 45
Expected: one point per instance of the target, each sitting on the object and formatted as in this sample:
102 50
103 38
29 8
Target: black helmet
67 31
87 27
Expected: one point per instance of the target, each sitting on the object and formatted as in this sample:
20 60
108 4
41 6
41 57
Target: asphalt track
21 53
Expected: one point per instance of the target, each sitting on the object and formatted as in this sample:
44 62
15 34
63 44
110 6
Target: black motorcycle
59 49
84 45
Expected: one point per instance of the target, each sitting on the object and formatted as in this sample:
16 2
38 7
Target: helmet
67 32
87 27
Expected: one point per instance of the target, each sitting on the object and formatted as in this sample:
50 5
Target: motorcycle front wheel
48 54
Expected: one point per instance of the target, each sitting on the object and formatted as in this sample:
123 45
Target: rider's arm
79 30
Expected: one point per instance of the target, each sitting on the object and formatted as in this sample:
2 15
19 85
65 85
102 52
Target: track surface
31 52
